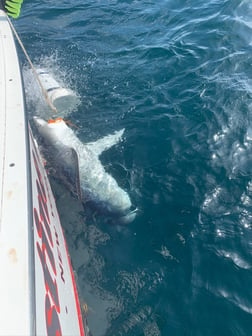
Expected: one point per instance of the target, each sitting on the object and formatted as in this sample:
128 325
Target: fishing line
44 92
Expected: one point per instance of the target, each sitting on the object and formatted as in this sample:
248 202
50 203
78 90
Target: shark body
80 168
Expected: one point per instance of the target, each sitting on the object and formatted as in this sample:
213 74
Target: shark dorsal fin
106 142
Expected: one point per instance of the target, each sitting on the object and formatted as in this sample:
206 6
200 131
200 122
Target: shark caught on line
79 167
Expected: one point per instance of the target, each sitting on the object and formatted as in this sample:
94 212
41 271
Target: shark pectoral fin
106 142
69 163
76 174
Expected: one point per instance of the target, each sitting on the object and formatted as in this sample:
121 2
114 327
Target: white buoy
65 100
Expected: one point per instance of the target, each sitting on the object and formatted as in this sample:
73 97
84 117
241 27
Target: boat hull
37 286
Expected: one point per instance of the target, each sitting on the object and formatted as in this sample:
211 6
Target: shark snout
39 122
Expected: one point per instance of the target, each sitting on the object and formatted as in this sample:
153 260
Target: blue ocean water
177 75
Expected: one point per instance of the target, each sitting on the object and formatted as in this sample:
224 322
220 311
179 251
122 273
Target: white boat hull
37 288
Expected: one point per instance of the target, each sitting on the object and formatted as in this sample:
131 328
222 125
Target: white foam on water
63 97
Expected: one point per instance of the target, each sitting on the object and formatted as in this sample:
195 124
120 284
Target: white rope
53 108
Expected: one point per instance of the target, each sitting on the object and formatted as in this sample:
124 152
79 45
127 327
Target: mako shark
78 165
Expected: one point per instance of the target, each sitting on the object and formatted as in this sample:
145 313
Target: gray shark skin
79 167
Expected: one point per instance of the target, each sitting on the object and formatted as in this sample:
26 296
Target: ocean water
177 75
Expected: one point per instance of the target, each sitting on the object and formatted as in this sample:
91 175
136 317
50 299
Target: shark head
52 130
62 158
79 166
